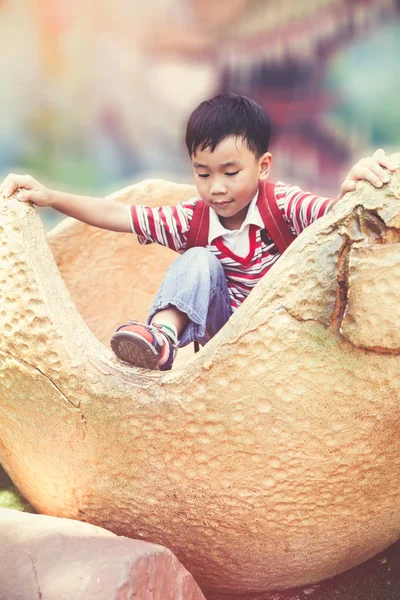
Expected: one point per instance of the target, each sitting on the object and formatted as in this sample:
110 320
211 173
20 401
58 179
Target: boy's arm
100 212
165 225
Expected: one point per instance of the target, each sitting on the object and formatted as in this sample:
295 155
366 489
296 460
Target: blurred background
95 94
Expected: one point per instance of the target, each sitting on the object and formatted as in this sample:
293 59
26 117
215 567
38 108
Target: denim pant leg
196 285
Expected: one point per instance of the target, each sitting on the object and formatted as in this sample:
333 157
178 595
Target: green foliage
10 497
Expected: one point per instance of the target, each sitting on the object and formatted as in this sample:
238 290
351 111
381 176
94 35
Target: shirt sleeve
165 225
300 208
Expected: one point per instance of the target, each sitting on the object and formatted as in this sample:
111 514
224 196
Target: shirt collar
253 217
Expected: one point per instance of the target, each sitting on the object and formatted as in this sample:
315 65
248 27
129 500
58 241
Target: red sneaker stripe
140 331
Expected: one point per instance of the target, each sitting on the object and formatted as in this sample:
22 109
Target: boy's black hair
225 115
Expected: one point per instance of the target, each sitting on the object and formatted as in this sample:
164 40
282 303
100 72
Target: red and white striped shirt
169 226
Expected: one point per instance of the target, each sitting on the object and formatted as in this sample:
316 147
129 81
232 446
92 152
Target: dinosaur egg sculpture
268 460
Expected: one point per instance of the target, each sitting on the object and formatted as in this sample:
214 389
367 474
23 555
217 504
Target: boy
227 138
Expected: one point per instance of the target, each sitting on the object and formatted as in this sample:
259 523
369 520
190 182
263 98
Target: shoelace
168 332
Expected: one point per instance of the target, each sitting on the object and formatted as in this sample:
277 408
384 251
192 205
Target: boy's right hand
32 190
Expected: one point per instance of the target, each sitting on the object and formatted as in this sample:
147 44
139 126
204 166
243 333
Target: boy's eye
232 174
203 175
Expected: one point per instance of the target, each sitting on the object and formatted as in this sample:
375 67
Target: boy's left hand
373 169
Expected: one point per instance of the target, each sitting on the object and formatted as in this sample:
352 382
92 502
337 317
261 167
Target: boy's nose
218 188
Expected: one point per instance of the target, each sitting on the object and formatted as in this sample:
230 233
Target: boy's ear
264 166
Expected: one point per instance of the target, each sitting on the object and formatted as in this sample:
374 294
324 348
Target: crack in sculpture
258 463
40 595
342 283
27 364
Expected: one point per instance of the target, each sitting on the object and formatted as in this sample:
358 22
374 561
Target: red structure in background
284 70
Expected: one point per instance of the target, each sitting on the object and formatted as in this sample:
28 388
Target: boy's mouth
221 204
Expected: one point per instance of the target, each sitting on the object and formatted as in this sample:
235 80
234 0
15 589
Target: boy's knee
201 258
197 251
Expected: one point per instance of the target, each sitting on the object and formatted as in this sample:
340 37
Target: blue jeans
196 285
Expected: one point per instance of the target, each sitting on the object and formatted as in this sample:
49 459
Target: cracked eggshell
269 461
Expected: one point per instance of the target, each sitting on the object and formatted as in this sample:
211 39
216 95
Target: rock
62 559
272 458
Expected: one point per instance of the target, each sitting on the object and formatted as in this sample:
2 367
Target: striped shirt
169 226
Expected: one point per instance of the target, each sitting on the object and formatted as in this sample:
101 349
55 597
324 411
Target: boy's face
227 179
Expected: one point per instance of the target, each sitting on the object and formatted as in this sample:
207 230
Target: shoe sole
134 350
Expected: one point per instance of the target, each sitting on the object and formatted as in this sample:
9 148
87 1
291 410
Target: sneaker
144 345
